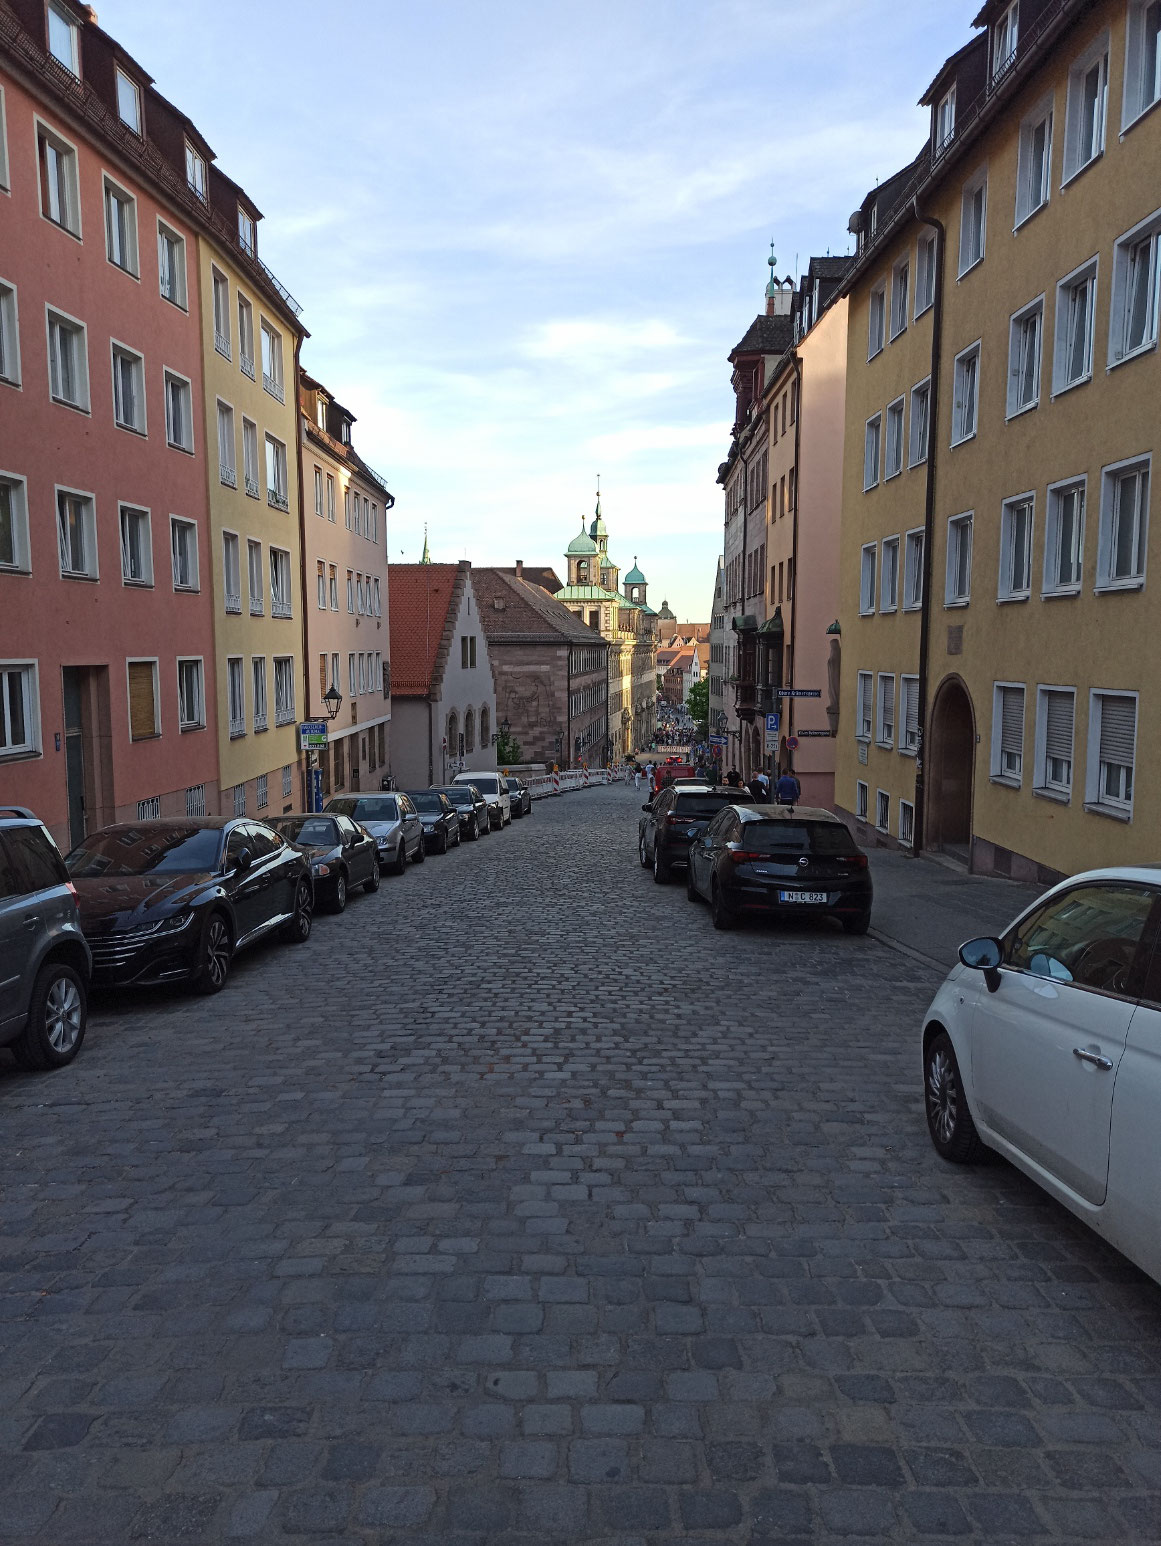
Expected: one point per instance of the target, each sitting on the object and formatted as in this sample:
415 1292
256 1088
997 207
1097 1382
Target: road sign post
773 724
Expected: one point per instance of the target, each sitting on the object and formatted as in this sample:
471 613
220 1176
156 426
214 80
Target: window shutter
1118 730
888 691
142 709
1012 720
910 712
1058 725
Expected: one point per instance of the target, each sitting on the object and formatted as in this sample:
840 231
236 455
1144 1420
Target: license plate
802 896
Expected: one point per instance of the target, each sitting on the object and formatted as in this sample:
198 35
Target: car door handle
32 923
1097 1061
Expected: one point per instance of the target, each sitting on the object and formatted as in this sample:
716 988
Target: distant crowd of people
659 775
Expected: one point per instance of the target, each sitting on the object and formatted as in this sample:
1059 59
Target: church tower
636 585
582 560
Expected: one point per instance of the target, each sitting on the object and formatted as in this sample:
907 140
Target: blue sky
525 235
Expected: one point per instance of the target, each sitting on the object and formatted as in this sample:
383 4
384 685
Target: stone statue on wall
526 701
833 669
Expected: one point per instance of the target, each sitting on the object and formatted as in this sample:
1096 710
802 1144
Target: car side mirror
243 861
984 955
648 806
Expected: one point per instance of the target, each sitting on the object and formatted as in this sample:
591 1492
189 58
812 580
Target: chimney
519 568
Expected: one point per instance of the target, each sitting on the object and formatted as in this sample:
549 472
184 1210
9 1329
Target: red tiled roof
421 595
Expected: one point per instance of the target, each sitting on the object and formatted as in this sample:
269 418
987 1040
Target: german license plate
816 897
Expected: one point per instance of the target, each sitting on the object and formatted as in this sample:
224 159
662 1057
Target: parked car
45 964
781 860
494 789
671 821
1042 1044
441 822
470 807
520 795
342 854
174 901
392 821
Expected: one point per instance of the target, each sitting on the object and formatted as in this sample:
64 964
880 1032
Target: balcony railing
233 601
149 810
252 487
284 715
255 606
280 608
222 344
277 501
273 387
246 361
227 475
237 727
260 720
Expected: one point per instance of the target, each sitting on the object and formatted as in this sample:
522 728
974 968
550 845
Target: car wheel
859 924
339 894
371 885
948 1119
420 853
459 836
473 830
642 852
442 849
660 868
55 1028
297 931
691 891
400 865
217 952
724 916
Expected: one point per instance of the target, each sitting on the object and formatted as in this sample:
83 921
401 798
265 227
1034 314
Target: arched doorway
951 766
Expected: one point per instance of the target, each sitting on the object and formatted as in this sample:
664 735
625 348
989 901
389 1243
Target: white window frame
145 581
893 437
1095 56
281 583
198 722
1005 33
943 121
120 351
183 523
274 380
868 578
1041 783
250 458
115 192
1147 231
10 371
922 391
889 571
196 175
277 473
331 506
925 268
1111 478
319 507
1096 798
247 232
17 486
227 443
956 526
320 581
960 433
1057 492
1007 589
1134 103
906 747
236 700
998 773
1018 322
220 288
872 465
906 823
900 296
90 536
976 183
885 729
256 592
136 123
232 599
70 187
285 715
80 332
1087 274
876 319
170 378
65 18
180 274
245 335
29 671
144 660
1027 203
864 706
913 541
882 810
258 693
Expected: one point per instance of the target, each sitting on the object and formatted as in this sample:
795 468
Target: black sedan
441 821
783 860
673 818
471 808
172 901
520 796
342 854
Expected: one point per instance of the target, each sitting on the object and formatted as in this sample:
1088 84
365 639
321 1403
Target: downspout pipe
797 362
928 524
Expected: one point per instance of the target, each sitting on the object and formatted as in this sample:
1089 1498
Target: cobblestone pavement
521 1207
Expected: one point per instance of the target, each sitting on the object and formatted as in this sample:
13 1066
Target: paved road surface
521 1207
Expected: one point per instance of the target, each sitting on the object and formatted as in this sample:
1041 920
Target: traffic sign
799 692
792 743
312 733
719 740
773 721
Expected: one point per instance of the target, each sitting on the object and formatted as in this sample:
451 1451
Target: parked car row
174 900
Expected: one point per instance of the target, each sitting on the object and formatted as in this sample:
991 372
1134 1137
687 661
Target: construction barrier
544 784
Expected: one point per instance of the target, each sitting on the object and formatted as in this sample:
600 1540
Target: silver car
392 821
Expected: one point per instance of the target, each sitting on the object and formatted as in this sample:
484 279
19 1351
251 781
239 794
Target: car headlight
172 925
321 869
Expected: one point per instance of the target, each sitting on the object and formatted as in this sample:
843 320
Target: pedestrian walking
734 779
789 789
636 778
764 781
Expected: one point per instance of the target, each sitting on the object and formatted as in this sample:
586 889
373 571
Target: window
191 697
1008 733
246 336
906 823
272 379
254 573
128 102
9 335
171 265
60 197
335 672
900 285
318 491
321 585
128 389
14 549
894 448
68 361
144 707
231 572
352 678
136 546
913 571
178 412
1075 313
1142 59
227 465
1136 290
1015 582
909 735
1087 108
333 586
959 561
973 222
362 672
77 534
889 576
221 313
920 422
250 456
1064 538
330 498
4 181
246 231
1004 35
467 652
347 508
183 536
258 680
1124 524
195 171
64 39
1112 744
280 595
965 403
19 704
1024 334
945 121
868 563
283 689
882 810
236 695
871 452
861 800
1055 710
925 275
1034 161
121 228
876 320
378 599
276 488
864 720
885 715
351 592
262 791
286 780
359 606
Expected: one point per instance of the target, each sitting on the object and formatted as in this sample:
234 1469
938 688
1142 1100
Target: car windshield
375 807
147 850
485 783
798 837
513 785
314 830
702 806
425 800
460 794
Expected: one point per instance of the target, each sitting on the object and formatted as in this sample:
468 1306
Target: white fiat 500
1045 1045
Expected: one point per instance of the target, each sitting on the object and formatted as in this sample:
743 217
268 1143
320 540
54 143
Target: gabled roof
829 268
424 604
538 574
766 335
515 611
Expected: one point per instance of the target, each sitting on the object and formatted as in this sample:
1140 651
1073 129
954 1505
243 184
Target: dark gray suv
45 963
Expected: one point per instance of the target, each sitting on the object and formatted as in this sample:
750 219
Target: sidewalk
929 908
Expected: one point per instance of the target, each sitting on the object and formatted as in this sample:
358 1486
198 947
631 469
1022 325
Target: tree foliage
698 702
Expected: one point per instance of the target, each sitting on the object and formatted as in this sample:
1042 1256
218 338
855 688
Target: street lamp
333 699
502 733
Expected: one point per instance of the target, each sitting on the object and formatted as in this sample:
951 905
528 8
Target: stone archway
951 770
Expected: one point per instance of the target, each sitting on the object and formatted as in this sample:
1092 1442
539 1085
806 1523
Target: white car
1045 1045
494 789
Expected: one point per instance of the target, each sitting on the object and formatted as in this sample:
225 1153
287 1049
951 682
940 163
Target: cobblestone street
520 1206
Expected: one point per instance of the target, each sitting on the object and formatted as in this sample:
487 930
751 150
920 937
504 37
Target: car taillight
674 820
741 856
856 861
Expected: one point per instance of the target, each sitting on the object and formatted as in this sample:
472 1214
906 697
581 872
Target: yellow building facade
1002 390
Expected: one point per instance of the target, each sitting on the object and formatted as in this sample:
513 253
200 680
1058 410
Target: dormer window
128 102
245 231
321 412
1004 35
345 432
945 121
195 171
64 39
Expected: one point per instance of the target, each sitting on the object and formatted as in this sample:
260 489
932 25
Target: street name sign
312 733
799 692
